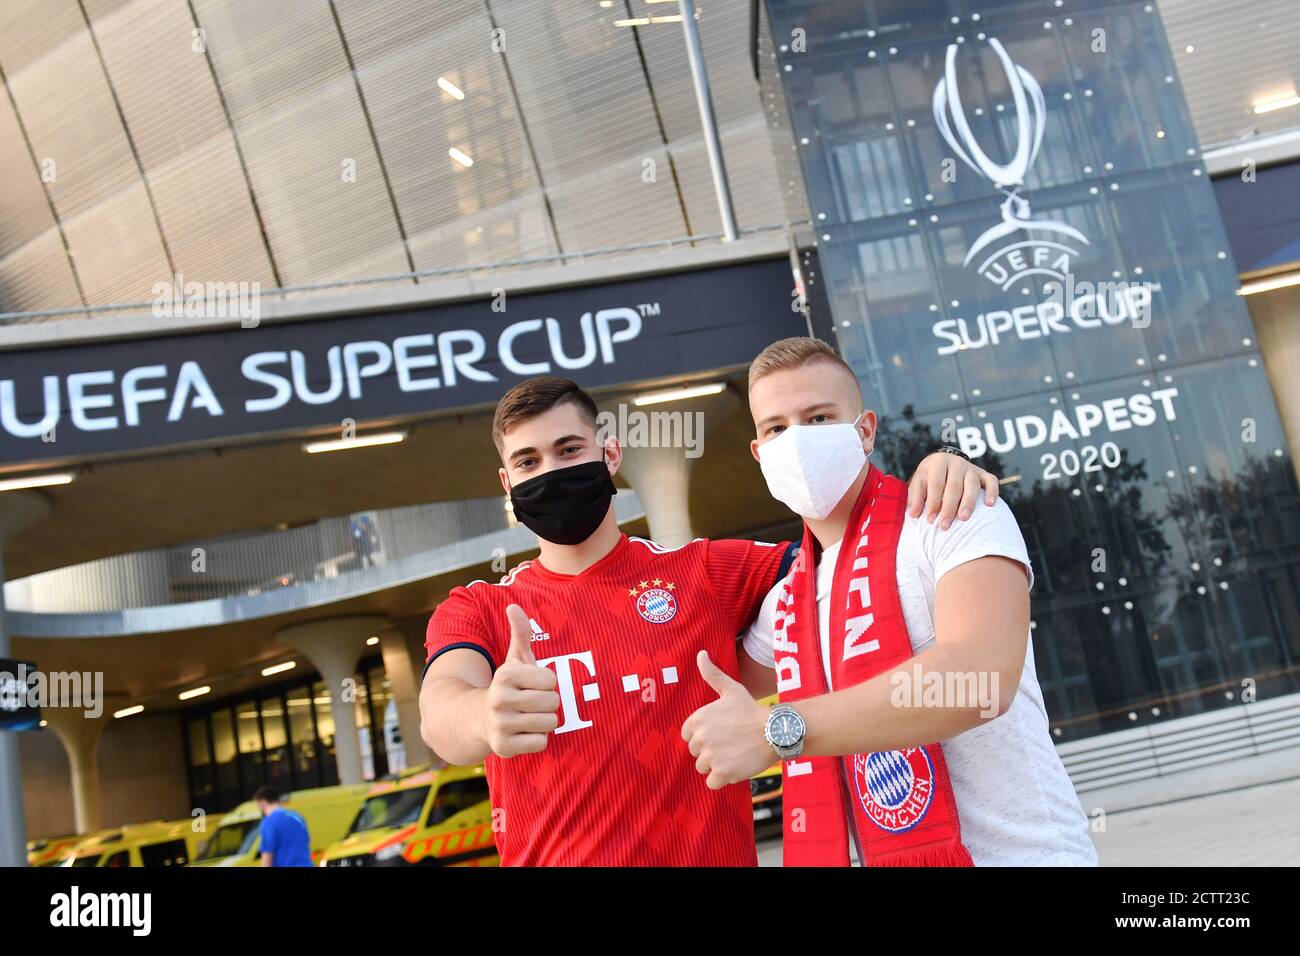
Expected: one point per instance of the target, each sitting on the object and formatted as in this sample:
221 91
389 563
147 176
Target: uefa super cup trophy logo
1033 255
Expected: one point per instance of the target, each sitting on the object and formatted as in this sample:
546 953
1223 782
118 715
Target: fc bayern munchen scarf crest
898 804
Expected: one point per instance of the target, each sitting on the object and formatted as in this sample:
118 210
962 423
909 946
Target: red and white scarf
899 803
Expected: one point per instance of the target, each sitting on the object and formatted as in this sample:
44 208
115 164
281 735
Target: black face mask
567 505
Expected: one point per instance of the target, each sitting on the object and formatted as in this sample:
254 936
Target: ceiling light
450 88
677 394
462 158
372 641
1277 101
279 668
642 21
1268 285
196 692
37 481
360 441
128 711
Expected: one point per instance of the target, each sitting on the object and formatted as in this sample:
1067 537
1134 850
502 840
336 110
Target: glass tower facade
1024 258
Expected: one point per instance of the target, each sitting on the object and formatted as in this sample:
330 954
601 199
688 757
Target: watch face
786 729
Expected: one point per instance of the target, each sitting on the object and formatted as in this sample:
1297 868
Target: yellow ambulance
328 812
427 818
49 851
160 843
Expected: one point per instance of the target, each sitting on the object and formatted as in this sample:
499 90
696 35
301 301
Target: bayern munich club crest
896 787
655 600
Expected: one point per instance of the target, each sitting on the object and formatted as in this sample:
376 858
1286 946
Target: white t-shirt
1016 803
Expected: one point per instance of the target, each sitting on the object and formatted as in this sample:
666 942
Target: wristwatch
785 731
954 450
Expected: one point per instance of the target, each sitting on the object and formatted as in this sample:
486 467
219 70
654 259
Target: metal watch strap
954 450
785 753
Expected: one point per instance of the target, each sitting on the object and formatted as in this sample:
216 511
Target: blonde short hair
794 352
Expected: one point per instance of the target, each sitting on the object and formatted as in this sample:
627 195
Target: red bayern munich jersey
616 784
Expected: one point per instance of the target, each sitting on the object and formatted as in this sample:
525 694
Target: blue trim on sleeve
787 559
470 645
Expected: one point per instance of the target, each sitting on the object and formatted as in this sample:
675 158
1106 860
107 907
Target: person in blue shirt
283 833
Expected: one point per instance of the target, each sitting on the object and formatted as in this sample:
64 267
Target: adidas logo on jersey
538 633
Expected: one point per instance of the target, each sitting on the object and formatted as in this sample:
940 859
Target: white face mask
809 467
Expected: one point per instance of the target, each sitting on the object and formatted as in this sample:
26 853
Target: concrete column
19 510
661 444
1276 316
661 477
80 737
404 683
334 646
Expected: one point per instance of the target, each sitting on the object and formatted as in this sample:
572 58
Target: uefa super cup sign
1031 246
1022 245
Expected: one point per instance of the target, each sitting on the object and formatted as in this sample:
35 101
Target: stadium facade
1063 235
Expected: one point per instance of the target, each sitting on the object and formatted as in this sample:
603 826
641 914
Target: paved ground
1257 825
1241 813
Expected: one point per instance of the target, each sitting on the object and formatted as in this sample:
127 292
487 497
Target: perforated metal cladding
188 155
304 141
1242 52
72 124
724 35
454 215
35 269
311 161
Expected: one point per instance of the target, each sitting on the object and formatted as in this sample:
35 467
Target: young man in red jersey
571 677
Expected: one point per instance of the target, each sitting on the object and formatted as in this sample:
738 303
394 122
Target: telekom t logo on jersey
570 680
655 600
568 693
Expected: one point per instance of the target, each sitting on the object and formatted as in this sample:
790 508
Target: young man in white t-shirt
964 598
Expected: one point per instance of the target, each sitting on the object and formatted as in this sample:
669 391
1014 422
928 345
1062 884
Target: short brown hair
535 396
794 352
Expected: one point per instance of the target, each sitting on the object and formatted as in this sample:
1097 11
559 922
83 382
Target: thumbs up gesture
726 736
521 703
